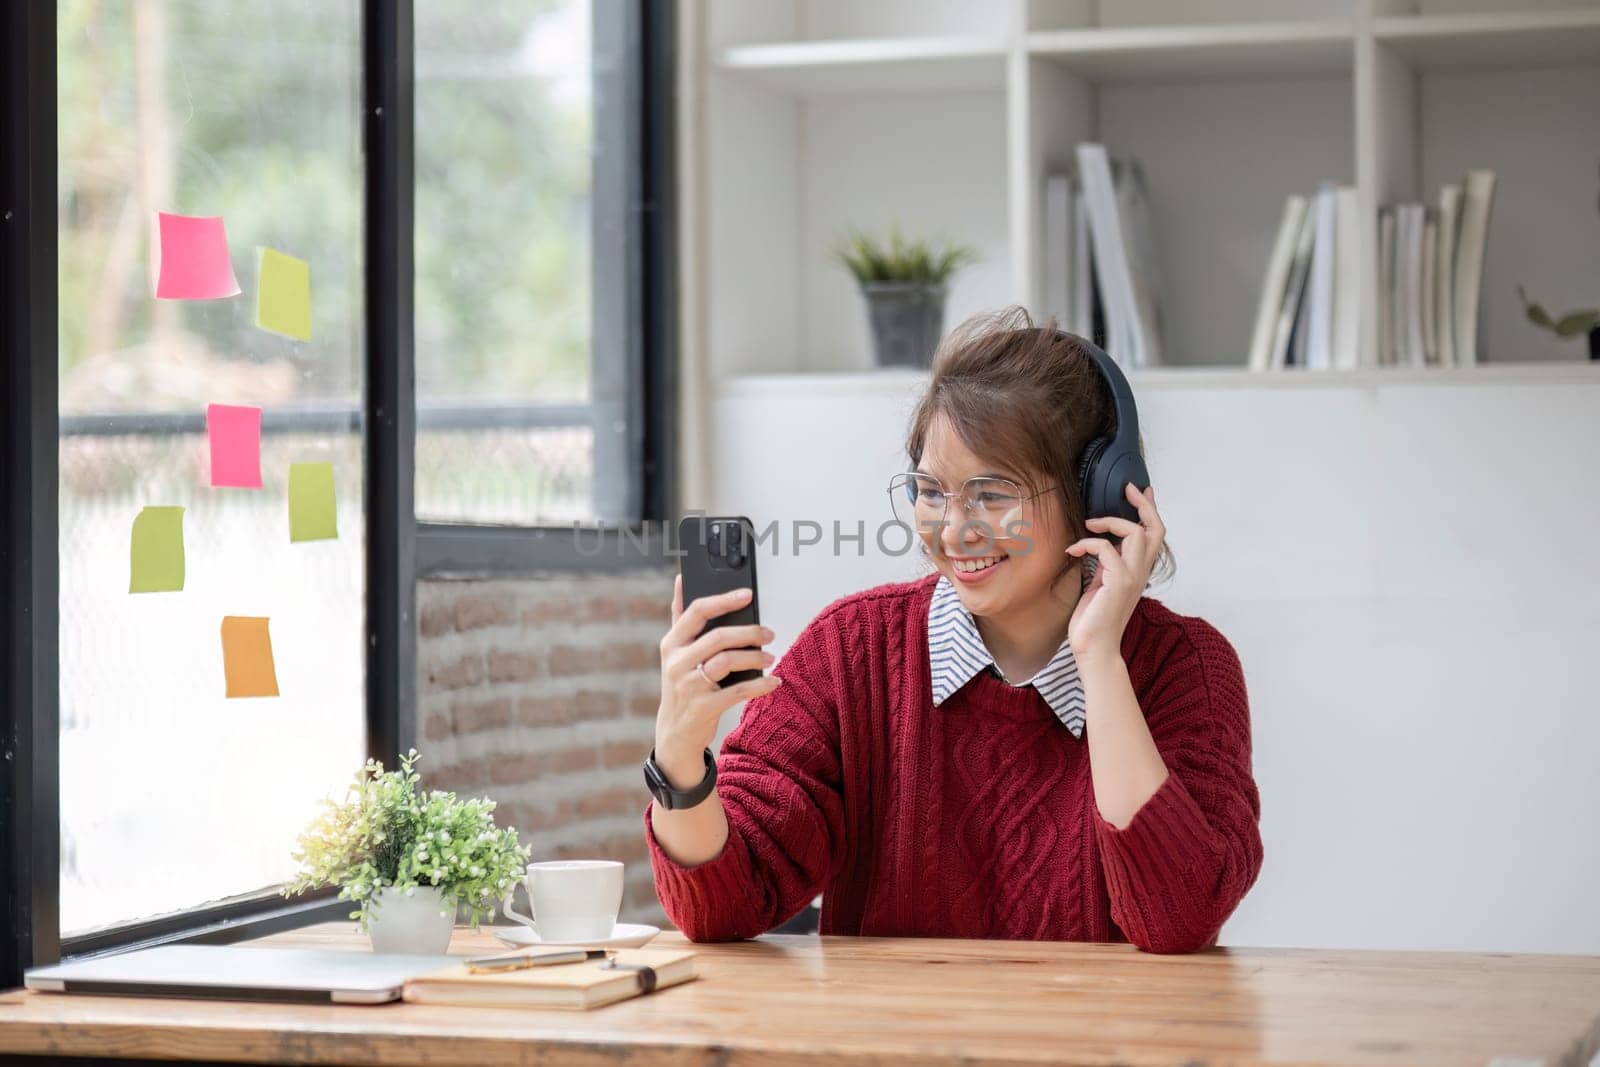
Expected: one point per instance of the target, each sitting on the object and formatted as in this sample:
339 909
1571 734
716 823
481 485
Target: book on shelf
1444 274
1309 311
1430 275
1101 275
1430 267
1275 283
587 984
1060 217
1346 279
1294 290
1477 200
1318 345
1386 242
1122 245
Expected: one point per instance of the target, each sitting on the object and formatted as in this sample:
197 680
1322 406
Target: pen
516 961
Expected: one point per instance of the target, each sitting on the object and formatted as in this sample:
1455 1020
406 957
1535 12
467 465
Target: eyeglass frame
966 498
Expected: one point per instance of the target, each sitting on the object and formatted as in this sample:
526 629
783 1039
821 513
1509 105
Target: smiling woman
1016 746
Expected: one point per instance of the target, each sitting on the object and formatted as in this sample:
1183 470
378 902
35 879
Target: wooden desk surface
781 1001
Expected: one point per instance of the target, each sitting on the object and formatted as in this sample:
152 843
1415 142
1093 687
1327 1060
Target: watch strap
677 799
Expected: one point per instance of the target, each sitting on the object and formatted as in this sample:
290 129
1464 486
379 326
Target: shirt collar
956 654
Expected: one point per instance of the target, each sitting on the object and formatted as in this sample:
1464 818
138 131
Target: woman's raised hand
692 664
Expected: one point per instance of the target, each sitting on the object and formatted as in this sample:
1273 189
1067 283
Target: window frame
400 550
634 358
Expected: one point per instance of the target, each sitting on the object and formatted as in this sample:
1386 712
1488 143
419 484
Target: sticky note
235 435
283 294
190 258
157 551
247 657
311 503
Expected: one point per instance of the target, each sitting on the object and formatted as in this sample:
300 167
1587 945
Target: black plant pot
906 320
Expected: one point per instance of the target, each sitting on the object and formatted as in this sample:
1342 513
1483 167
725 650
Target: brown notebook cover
589 984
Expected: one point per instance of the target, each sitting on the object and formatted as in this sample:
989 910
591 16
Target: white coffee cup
572 900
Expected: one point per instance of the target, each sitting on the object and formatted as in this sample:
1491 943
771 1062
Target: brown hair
1025 399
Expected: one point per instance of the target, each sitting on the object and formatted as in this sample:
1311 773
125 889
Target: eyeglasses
921 501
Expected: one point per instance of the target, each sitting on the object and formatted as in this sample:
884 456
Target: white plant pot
410 924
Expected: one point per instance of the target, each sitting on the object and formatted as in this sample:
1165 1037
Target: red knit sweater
975 818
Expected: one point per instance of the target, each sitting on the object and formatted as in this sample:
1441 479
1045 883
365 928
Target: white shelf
1494 40
1179 53
889 64
899 380
945 116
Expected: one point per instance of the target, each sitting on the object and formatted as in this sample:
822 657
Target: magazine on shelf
1318 343
1275 284
1445 275
1476 203
1346 279
1294 289
1386 243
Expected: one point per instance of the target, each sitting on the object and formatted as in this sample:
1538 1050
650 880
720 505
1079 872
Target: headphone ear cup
1091 453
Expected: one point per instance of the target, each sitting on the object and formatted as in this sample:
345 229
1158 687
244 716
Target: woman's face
999 570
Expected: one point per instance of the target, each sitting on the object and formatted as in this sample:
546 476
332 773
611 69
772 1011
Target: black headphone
1110 463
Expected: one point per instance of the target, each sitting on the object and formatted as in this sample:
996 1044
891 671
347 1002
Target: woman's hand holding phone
692 664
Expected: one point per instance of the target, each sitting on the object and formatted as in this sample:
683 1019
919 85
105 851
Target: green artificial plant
388 833
900 260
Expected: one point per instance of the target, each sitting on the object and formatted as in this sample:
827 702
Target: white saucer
623 935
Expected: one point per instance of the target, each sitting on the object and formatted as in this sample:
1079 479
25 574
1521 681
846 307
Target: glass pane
172 794
504 146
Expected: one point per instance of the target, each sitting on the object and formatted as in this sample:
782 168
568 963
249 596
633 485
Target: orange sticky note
191 258
235 436
247 657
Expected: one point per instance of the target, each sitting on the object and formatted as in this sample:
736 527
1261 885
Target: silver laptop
232 972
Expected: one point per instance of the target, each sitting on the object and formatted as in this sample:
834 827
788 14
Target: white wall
1408 572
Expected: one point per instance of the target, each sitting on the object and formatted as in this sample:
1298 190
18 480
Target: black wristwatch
678 799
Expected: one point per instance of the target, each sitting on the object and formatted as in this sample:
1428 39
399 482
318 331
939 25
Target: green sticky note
312 514
283 294
157 551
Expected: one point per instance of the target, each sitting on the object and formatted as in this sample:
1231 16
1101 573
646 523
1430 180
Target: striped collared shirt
956 654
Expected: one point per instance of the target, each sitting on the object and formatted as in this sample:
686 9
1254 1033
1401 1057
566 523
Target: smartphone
719 555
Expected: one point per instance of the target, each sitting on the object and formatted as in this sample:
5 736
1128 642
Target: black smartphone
719 555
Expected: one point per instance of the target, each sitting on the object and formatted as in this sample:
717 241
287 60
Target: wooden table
784 1000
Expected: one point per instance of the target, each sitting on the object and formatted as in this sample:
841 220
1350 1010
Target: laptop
232 972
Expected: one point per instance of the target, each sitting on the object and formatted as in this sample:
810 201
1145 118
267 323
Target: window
171 794
523 195
138 800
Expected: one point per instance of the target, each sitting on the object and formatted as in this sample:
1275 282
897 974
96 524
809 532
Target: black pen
516 961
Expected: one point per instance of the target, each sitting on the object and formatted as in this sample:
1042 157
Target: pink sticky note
235 434
191 259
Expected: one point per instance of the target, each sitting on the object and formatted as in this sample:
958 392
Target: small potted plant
904 284
409 859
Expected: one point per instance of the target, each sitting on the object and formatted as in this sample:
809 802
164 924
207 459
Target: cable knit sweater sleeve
1182 864
779 780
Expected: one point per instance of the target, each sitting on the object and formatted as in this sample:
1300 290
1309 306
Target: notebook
589 984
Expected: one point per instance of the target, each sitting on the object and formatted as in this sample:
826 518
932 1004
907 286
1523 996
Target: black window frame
400 551
634 367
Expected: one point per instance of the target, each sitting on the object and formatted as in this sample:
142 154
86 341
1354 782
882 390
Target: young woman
1005 748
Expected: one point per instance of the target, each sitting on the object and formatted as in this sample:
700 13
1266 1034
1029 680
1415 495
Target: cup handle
513 913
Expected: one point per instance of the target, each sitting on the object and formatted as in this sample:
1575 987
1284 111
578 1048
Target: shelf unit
811 116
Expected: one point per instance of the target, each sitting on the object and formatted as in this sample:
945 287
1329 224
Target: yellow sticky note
247 657
157 565
283 294
312 513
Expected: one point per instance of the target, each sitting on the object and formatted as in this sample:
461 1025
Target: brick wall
541 693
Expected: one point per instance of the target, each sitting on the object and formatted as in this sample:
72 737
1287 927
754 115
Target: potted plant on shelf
409 859
904 285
